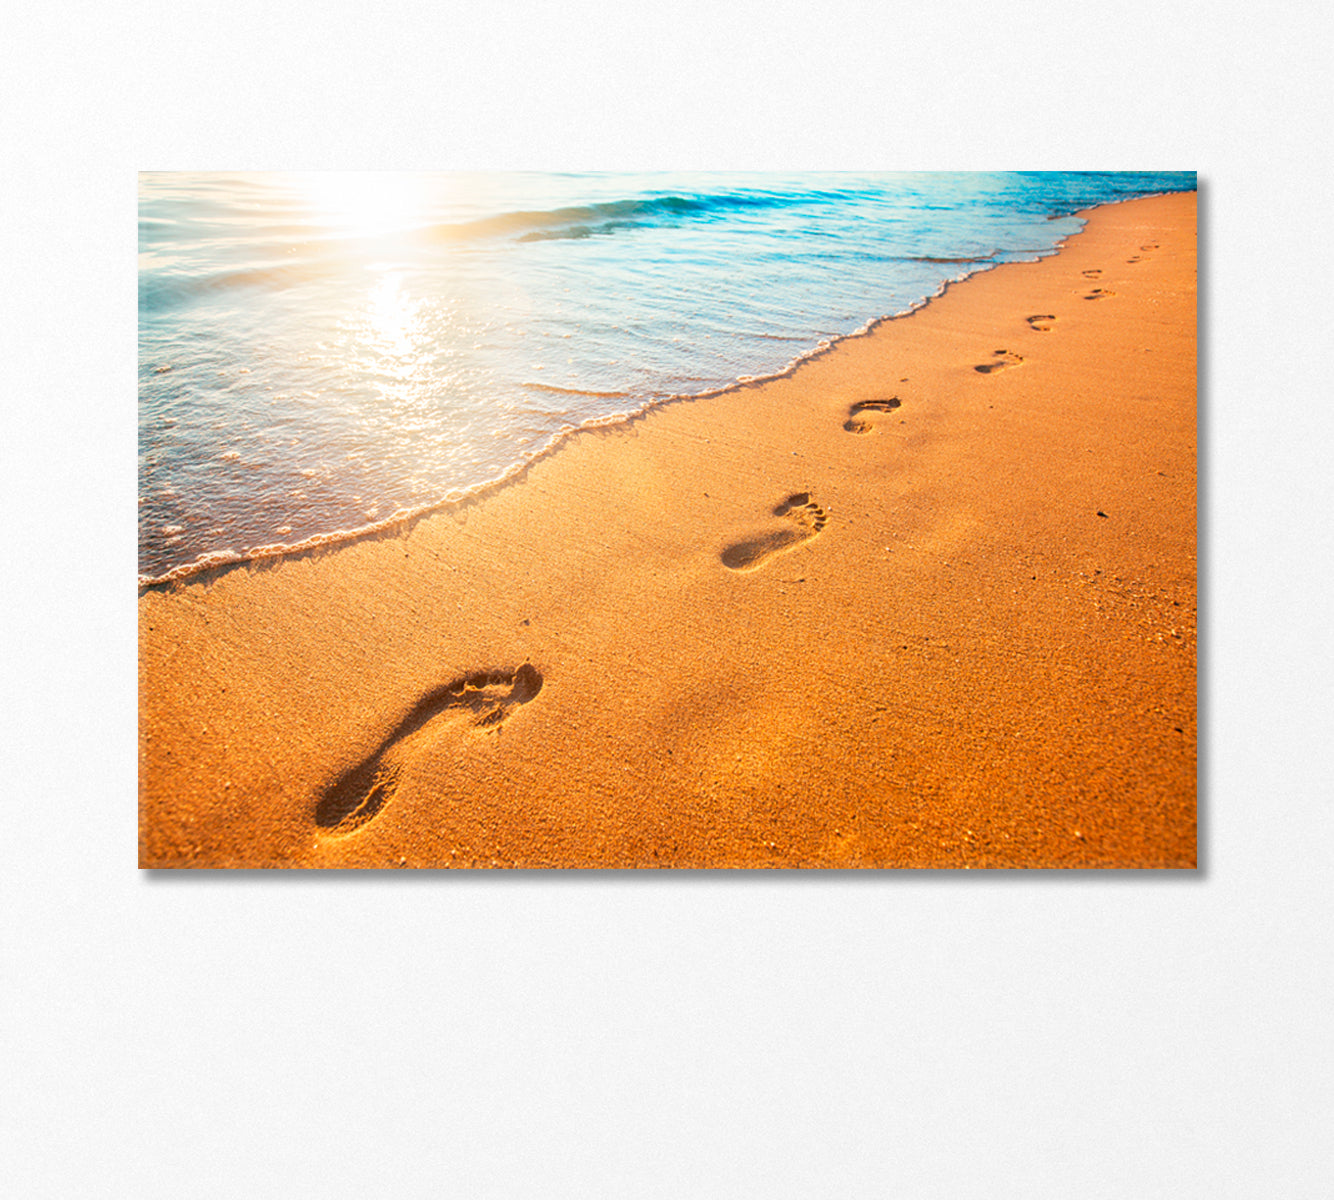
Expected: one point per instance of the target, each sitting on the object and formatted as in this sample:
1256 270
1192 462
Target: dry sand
892 610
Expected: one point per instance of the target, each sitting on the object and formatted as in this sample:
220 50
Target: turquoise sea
320 353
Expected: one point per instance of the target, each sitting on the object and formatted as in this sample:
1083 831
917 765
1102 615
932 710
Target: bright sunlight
365 203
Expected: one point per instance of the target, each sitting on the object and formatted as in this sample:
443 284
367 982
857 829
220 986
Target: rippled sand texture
929 601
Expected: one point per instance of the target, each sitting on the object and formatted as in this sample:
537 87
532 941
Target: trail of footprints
481 700
484 699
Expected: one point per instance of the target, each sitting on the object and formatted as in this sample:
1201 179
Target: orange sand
968 638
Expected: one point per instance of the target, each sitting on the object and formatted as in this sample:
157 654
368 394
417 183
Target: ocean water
321 353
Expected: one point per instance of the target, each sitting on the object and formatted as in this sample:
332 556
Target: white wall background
953 1036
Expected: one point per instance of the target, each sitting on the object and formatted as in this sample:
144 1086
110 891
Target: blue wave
585 220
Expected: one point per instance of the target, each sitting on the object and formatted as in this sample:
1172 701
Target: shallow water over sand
319 352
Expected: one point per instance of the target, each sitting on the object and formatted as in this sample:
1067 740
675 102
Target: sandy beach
927 601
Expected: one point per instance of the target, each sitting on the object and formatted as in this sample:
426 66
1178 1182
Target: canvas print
671 520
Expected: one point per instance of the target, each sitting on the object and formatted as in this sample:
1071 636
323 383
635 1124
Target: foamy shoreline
402 520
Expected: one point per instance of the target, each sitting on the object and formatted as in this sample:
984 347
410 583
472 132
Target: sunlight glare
394 327
366 203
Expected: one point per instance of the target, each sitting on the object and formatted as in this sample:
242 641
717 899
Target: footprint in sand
1150 246
481 700
1093 274
1041 322
1099 294
1003 359
855 424
806 520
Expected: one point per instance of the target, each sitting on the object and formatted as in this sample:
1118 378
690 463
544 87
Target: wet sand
928 601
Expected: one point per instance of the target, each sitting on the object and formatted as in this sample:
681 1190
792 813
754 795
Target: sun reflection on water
393 328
